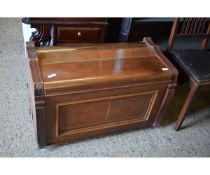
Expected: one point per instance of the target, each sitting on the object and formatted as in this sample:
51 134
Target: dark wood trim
205 40
35 69
86 21
188 101
173 33
41 122
165 102
171 87
39 95
199 35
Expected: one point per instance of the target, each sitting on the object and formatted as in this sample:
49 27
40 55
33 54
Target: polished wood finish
189 28
84 91
60 31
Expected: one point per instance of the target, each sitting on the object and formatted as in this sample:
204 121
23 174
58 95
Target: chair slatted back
190 28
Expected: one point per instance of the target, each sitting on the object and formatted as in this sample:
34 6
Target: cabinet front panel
101 113
78 115
130 108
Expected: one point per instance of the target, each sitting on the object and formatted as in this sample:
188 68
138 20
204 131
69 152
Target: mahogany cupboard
84 91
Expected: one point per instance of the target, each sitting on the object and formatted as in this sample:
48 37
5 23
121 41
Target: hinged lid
100 66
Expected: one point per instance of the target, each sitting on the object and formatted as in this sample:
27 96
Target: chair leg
186 105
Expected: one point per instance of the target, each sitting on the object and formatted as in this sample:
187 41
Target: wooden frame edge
149 42
171 87
39 95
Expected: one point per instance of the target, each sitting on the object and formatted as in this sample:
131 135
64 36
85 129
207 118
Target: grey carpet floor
16 127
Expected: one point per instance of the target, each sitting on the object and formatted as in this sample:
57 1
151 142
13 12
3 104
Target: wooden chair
192 63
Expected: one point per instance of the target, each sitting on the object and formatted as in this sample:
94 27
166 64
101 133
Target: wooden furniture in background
135 29
60 31
194 64
113 30
85 91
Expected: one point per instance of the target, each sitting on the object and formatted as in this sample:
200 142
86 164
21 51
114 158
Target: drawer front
78 34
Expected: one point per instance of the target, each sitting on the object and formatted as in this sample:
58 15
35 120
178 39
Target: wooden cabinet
61 31
84 91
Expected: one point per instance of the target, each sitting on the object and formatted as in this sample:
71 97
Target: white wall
27 32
